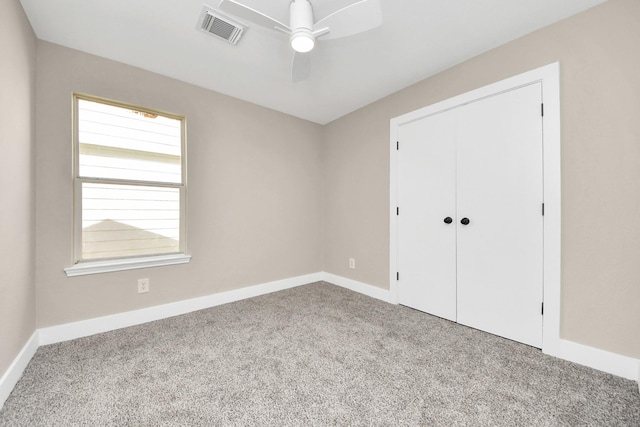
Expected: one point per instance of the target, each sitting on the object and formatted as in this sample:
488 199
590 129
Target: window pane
127 220
121 143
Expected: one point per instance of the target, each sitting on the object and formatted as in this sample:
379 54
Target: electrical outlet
352 263
143 286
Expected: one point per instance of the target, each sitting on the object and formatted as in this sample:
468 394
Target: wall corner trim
17 367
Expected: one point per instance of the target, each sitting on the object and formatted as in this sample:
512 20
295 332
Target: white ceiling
418 38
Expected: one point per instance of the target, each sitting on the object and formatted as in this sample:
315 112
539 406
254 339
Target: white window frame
83 267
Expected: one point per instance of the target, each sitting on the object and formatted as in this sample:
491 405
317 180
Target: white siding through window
125 144
130 179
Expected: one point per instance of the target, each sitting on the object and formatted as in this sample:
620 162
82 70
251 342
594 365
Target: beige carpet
313 355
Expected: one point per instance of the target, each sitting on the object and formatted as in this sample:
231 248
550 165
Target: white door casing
548 78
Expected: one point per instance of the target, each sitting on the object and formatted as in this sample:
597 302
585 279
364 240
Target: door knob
448 220
464 221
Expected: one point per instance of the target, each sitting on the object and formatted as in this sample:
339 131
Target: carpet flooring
312 355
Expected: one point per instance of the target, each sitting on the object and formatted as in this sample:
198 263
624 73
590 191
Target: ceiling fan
357 17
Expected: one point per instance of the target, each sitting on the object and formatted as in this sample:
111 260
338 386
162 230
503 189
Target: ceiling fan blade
301 67
358 17
245 12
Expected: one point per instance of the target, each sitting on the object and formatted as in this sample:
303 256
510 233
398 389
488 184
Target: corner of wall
17 367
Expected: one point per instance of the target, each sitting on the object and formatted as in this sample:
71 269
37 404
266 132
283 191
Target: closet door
499 190
426 196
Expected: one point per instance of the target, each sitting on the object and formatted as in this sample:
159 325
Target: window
129 185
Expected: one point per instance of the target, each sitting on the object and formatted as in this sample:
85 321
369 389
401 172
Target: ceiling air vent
219 25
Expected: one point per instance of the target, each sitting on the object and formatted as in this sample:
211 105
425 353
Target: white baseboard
362 288
17 367
98 325
612 363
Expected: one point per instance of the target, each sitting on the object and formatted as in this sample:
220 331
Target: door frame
549 77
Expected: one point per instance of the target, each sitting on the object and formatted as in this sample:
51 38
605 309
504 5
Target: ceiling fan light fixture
356 17
301 24
302 41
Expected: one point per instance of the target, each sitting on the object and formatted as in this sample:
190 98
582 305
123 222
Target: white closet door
426 195
499 162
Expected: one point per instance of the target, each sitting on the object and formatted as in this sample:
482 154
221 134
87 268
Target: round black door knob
464 221
448 220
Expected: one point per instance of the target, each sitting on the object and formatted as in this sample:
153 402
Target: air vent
219 25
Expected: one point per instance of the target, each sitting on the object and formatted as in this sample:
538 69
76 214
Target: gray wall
600 95
17 83
254 175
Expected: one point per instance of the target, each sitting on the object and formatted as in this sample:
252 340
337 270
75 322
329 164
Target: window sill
96 267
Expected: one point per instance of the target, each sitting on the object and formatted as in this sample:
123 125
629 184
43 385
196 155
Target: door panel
499 188
426 195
